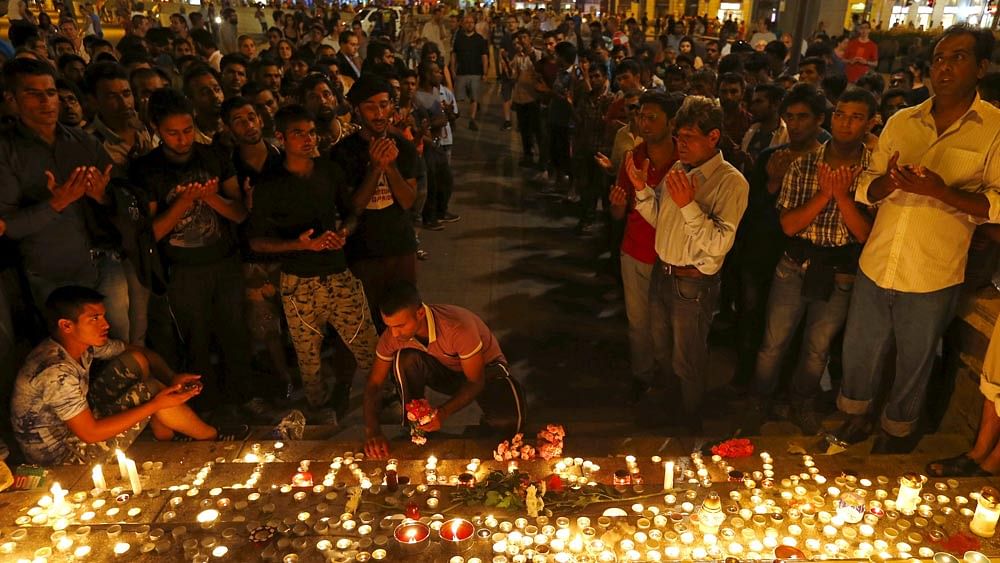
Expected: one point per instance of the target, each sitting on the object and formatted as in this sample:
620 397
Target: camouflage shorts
115 386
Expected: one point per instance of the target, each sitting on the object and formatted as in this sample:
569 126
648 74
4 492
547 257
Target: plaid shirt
800 184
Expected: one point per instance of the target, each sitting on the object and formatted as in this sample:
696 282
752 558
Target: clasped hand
836 182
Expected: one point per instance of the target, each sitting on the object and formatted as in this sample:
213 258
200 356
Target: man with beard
268 74
234 74
201 85
768 130
194 201
144 82
380 169
266 104
70 109
116 123
317 96
737 120
304 214
254 158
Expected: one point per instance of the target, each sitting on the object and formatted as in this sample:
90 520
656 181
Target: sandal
959 466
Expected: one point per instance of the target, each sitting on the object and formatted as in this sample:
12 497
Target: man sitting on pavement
61 415
444 347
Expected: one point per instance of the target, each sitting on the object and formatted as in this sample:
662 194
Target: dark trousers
207 303
590 182
680 317
559 144
501 399
529 124
751 309
439 183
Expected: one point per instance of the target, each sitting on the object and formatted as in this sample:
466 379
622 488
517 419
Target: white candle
121 463
58 499
98 475
668 476
133 476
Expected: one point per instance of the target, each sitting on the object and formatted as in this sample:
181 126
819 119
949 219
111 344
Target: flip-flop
959 466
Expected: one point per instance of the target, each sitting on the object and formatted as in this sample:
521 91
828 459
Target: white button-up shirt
918 244
702 232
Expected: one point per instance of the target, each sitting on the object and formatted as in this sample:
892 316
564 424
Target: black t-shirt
469 51
245 172
286 205
202 236
384 227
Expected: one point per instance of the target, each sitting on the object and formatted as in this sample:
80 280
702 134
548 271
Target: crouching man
62 413
446 348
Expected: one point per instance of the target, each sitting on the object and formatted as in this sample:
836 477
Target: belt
682 271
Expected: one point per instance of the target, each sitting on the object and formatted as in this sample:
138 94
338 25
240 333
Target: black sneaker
473 126
807 419
236 433
448 217
433 226
855 429
507 126
888 444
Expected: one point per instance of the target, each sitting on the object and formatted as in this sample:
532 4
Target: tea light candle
412 535
121 548
984 520
668 475
207 518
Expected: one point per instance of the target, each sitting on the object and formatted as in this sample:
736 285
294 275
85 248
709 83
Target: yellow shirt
918 244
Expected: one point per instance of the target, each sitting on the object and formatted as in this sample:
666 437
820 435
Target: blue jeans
786 308
915 322
680 316
635 280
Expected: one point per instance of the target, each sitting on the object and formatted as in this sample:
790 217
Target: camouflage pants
117 385
311 303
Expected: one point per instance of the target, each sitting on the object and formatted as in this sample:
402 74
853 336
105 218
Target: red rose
554 483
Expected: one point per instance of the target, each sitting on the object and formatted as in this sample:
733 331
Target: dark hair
63 84
566 51
732 78
311 81
983 37
731 63
19 34
861 96
834 85
871 81
398 296
344 37
251 89
167 102
668 103
757 62
59 39
893 93
596 64
65 61
989 87
102 71
777 49
817 62
234 59
807 94
628 65
196 72
552 33
234 103
819 50
773 92
67 302
14 69
290 114
203 38
143 73
159 36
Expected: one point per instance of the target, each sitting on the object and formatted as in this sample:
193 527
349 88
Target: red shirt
639 234
868 50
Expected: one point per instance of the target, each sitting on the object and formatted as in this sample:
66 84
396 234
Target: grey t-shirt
50 389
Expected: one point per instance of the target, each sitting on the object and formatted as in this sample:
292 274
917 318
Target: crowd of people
190 193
